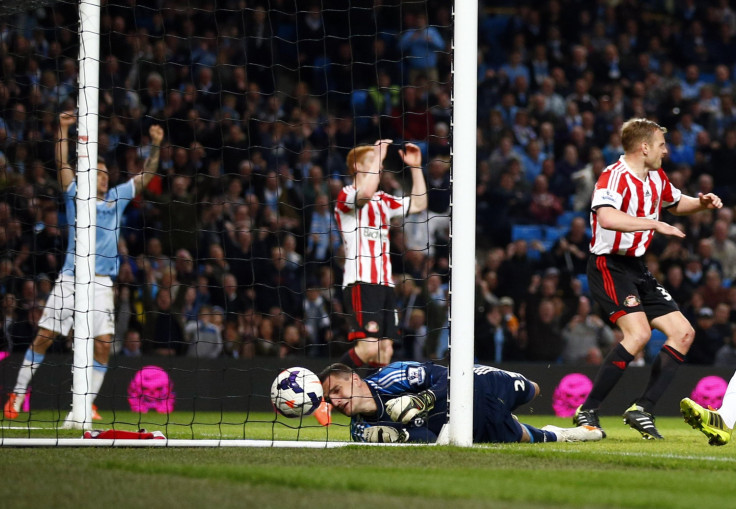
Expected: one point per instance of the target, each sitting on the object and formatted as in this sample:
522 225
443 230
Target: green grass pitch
621 471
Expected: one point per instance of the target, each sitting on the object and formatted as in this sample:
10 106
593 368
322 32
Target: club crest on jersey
415 375
631 301
371 326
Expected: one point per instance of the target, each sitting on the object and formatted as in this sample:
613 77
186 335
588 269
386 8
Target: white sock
98 376
728 408
31 363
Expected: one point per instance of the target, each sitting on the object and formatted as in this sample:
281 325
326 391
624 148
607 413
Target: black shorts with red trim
623 285
371 311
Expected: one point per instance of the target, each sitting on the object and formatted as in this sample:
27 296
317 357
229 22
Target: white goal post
84 259
462 257
462 221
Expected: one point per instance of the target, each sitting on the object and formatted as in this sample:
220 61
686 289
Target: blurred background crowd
235 240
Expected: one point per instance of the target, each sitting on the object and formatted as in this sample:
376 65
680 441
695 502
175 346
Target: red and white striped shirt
619 187
365 233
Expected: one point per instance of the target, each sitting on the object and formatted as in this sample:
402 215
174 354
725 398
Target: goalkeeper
407 402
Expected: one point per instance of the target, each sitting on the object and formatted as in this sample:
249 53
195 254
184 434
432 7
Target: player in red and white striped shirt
626 206
363 215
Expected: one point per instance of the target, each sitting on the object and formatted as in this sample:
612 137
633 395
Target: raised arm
66 172
412 157
367 182
150 167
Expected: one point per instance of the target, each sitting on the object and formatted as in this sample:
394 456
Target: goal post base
276 444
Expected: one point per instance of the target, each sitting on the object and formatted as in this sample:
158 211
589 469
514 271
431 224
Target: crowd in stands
235 239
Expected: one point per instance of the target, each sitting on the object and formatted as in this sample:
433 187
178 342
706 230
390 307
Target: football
296 392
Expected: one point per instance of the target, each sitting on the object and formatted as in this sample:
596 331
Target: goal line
275 444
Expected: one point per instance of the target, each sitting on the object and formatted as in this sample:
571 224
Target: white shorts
58 315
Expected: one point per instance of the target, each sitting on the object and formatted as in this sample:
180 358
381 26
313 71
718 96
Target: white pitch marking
639 454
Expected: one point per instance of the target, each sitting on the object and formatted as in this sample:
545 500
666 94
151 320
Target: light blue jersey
71 214
109 214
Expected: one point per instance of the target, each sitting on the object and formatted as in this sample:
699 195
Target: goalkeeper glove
385 435
405 408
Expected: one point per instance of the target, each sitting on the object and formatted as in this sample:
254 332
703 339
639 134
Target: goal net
228 258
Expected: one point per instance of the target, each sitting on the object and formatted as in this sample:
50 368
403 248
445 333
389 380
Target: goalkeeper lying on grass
407 402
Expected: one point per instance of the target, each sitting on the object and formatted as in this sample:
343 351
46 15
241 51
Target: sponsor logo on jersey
631 301
371 326
374 234
415 375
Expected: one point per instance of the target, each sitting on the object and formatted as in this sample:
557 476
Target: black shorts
623 284
371 311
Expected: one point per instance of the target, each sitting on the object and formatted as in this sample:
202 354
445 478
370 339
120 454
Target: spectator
545 207
689 130
705 255
438 202
317 323
163 329
420 45
291 344
543 335
721 316
178 213
492 337
586 338
412 119
562 185
724 249
712 290
585 179
694 271
570 251
131 344
679 152
723 156
579 63
539 65
414 336
204 335
707 339
613 149
677 285
726 355
532 160
691 83
277 284
548 141
323 235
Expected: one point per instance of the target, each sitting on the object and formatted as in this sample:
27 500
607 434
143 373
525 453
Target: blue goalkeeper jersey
401 378
496 394
109 215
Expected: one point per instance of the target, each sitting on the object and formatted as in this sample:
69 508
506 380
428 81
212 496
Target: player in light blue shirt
110 210
58 315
